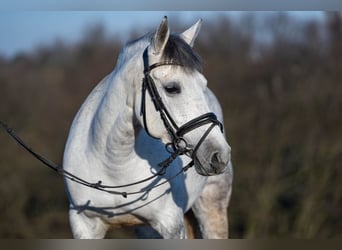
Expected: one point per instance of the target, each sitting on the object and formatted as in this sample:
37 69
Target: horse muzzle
210 162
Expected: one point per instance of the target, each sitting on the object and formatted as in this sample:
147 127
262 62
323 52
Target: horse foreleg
168 224
210 209
85 227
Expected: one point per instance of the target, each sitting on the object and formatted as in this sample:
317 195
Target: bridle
177 146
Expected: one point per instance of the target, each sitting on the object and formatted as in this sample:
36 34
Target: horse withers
137 136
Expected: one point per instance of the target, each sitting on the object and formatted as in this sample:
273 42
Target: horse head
175 100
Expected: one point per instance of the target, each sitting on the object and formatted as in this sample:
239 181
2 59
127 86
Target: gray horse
147 123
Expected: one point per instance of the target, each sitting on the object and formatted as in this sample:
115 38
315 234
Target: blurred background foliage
279 82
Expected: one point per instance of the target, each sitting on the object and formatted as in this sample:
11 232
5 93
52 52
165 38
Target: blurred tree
334 26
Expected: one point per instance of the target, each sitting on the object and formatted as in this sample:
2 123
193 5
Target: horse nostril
215 159
218 163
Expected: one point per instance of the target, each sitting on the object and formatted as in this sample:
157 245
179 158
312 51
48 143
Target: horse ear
190 34
161 36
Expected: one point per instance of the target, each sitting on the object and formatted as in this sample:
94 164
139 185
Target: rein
178 145
98 185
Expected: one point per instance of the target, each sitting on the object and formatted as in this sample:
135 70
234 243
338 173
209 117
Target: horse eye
172 88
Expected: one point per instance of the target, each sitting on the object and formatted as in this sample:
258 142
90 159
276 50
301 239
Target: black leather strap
176 133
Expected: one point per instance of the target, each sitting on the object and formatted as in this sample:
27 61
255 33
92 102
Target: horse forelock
179 52
176 51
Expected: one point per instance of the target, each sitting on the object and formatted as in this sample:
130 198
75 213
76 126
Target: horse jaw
190 35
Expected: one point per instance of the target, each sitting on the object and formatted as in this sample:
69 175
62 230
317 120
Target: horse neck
114 128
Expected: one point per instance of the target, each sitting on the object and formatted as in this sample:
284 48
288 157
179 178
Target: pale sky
26 30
